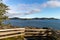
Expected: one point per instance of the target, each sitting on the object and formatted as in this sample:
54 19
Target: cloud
39 7
32 11
5 1
27 9
13 14
51 3
24 9
23 13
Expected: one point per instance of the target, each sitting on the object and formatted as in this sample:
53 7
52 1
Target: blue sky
33 8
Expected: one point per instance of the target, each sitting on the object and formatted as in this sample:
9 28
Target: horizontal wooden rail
11 36
37 32
21 29
6 33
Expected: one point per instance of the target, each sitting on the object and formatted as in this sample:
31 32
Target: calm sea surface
35 23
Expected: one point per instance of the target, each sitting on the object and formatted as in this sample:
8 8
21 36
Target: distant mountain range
34 18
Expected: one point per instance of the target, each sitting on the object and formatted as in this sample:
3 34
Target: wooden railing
5 33
38 32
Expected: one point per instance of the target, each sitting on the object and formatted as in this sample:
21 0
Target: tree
3 11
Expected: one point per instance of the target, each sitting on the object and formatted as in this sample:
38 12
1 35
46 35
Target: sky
33 8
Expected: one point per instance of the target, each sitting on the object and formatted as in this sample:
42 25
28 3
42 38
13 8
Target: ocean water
55 24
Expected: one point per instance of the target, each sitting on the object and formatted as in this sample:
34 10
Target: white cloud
23 9
32 11
51 3
4 1
27 9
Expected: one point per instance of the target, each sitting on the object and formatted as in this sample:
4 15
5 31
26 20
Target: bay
55 24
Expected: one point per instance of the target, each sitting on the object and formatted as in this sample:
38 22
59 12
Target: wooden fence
6 33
